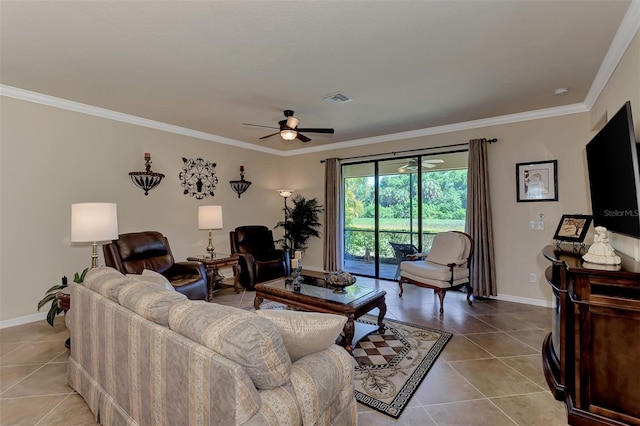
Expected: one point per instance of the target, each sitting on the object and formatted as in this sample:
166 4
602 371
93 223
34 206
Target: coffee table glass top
353 292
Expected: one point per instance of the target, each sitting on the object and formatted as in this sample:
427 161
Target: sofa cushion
147 301
304 333
236 334
152 277
448 247
106 281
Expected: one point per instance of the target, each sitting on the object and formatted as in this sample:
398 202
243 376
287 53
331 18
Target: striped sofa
144 355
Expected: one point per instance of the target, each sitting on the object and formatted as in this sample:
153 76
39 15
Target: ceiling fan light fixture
288 134
292 122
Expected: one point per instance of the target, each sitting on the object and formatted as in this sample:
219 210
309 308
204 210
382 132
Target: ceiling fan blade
315 130
434 161
268 136
259 125
303 138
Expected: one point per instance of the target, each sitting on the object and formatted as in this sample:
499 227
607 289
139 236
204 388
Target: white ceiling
210 66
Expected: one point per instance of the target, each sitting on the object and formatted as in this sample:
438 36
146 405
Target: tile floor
490 372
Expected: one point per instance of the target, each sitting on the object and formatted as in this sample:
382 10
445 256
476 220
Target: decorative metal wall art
146 180
198 177
240 186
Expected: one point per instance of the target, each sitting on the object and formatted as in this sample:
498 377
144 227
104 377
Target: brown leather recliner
259 259
134 252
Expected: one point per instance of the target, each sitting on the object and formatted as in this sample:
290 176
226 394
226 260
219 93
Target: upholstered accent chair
259 259
445 267
402 252
134 252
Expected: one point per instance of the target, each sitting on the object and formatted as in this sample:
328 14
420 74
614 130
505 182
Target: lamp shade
285 192
210 217
91 222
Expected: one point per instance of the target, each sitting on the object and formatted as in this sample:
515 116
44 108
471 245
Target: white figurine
601 251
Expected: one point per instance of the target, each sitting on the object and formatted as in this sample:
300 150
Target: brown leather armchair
259 259
134 252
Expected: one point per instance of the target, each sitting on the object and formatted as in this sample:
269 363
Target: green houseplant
50 296
301 223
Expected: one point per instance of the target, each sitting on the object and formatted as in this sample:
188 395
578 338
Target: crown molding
625 34
39 98
627 30
449 128
29 96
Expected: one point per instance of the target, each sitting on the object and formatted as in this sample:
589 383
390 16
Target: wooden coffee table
356 302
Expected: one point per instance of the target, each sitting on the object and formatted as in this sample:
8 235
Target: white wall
51 158
517 248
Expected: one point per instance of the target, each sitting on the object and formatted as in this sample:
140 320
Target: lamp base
94 255
210 247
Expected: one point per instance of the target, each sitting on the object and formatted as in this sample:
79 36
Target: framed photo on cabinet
573 227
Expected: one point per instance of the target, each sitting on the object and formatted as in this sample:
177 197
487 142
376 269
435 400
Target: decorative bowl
339 280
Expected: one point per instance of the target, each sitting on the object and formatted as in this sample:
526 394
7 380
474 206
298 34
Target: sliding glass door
391 205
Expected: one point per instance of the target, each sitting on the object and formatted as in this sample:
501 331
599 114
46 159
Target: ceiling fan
288 129
412 165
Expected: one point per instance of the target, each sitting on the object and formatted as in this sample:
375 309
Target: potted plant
300 224
54 295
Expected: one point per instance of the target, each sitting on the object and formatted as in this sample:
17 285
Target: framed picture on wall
537 181
573 227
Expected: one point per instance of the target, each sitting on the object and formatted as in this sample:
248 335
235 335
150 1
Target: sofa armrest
319 378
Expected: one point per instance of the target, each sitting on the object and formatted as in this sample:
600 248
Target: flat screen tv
614 175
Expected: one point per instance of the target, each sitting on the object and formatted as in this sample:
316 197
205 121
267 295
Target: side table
214 276
64 302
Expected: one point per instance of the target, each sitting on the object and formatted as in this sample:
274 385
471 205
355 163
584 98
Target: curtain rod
411 150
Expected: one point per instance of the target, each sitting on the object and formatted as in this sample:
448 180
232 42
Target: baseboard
524 300
41 316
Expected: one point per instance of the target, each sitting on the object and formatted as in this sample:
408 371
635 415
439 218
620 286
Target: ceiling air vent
337 98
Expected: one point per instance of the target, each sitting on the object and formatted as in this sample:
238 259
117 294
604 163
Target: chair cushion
434 271
304 333
144 250
138 245
448 247
236 334
255 240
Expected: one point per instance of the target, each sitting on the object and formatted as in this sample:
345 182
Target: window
396 201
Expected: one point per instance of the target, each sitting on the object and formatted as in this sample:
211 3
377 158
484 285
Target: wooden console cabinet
591 359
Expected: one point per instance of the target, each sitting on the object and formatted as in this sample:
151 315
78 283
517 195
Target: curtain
479 225
332 228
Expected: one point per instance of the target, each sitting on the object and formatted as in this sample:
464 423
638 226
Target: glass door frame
376 182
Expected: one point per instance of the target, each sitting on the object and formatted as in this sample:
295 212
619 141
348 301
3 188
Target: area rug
392 365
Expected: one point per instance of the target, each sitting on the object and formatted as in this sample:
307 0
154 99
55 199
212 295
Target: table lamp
210 217
93 222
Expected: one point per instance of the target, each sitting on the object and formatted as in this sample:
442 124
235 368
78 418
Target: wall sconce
146 180
240 186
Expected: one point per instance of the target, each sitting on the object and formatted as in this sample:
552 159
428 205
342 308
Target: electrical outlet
533 277
540 225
